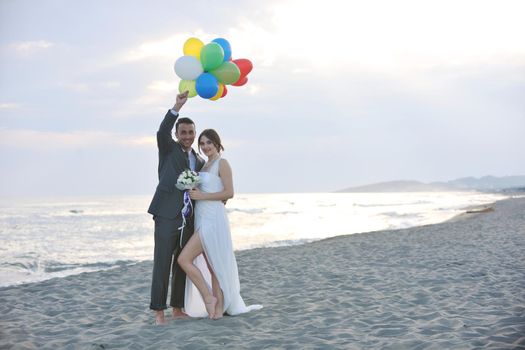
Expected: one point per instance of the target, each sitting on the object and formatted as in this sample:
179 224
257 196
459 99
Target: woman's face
207 147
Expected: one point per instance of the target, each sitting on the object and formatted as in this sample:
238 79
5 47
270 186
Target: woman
212 279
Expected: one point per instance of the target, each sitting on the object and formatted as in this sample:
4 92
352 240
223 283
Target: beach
454 285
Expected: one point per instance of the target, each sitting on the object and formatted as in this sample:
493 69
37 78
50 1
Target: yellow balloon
193 47
219 92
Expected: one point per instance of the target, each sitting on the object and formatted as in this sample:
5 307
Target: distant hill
489 183
400 186
485 183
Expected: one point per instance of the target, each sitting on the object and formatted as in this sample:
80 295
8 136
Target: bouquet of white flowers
187 180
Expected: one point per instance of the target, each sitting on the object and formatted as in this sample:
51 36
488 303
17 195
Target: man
166 206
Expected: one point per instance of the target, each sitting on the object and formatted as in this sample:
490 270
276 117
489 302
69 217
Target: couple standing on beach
205 281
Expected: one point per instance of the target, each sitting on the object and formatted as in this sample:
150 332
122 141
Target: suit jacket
168 199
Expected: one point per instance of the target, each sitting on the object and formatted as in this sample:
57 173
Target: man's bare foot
210 303
177 313
159 318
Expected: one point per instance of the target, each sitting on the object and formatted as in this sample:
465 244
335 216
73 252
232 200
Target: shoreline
474 210
471 211
450 285
288 243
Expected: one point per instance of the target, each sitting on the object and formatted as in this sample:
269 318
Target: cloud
166 47
151 49
46 140
255 41
254 89
163 86
111 84
141 141
153 97
73 86
83 87
31 46
248 40
382 35
9 106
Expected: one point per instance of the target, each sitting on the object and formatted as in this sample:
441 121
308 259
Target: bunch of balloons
205 70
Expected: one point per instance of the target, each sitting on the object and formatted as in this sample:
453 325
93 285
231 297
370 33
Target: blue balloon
225 46
206 85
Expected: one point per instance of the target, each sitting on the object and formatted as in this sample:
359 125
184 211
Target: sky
343 93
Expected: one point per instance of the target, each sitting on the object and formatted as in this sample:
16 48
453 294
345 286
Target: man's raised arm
164 135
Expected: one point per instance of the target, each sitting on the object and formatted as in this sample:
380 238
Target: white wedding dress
213 227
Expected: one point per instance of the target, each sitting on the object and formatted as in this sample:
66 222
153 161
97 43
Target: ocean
55 237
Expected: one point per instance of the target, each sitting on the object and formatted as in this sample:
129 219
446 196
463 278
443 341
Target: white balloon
188 67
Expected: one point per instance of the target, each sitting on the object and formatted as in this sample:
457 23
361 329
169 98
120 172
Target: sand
455 285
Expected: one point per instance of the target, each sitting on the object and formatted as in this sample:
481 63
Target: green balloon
227 73
188 85
212 56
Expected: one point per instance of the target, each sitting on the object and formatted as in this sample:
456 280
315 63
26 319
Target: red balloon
224 92
245 66
241 81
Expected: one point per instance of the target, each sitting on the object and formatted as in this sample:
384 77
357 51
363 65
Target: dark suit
166 210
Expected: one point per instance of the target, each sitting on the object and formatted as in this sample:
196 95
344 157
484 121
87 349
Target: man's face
185 135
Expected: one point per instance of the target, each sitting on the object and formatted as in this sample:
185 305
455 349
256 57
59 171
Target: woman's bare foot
210 303
219 309
218 312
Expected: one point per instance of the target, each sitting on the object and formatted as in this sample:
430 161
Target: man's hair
183 120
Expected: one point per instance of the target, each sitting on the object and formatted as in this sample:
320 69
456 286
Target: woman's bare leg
217 291
192 249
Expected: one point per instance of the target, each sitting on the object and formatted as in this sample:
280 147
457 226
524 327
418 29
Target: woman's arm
225 173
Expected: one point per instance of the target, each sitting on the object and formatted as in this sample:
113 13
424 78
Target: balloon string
186 212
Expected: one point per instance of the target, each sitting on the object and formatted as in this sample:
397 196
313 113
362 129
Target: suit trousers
167 250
